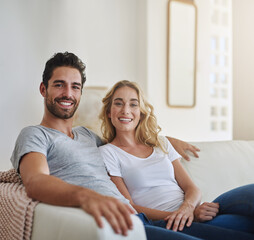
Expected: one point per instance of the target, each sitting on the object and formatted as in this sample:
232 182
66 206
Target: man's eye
76 87
58 85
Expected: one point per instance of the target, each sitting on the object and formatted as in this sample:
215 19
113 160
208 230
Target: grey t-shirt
77 161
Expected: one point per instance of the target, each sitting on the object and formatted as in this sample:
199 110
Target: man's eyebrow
62 81
77 83
58 81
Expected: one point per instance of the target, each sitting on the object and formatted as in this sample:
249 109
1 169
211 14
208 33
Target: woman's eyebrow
118 99
134 99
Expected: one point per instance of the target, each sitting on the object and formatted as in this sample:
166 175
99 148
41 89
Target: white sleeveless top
150 181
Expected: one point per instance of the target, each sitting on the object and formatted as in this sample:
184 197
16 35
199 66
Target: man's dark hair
65 59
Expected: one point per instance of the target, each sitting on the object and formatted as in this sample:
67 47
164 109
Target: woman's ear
43 89
109 115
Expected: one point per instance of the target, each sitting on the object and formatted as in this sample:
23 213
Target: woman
147 171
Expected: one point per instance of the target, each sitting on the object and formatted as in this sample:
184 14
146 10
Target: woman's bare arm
192 196
153 214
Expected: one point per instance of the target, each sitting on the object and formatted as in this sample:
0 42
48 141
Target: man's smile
65 103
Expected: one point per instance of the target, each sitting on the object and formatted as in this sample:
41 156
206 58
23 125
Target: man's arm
43 187
181 147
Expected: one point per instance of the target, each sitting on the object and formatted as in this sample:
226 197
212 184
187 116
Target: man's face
63 94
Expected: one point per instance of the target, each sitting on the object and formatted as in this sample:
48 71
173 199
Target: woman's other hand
206 211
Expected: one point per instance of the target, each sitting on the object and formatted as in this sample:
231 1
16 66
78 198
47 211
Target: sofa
22 218
221 166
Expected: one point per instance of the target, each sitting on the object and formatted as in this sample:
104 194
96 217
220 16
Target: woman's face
125 110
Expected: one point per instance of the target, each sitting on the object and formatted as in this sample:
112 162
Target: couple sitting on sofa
62 165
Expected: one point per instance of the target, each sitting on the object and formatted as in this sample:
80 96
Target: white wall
188 124
243 69
117 39
104 34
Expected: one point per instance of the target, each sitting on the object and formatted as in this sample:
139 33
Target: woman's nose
126 109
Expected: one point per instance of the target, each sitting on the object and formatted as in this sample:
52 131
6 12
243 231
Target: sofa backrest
89 109
221 166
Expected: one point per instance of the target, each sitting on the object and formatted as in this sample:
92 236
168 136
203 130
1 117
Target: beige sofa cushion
221 166
67 223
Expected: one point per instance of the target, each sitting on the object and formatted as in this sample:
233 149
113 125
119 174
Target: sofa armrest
65 223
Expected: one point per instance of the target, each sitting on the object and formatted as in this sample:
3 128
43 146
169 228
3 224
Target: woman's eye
118 103
134 105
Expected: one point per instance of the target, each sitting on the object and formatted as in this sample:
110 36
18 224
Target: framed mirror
182 33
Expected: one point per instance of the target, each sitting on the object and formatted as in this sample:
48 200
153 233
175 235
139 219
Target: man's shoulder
81 129
87 133
33 131
30 130
84 131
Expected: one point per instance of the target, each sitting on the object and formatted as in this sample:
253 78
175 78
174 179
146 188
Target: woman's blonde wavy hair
147 130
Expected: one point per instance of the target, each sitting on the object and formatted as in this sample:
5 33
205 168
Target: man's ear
43 89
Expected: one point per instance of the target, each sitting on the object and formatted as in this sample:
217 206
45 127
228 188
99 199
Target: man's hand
181 147
117 213
181 217
206 211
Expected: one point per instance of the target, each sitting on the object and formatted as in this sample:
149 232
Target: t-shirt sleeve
172 153
111 162
30 139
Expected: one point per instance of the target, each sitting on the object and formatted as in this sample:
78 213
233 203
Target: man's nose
68 91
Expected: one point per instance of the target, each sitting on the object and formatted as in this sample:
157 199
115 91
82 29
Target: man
63 166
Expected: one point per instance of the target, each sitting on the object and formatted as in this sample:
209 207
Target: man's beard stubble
58 112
